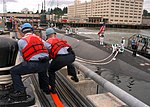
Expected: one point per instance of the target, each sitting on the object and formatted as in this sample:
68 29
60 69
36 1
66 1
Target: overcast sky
18 5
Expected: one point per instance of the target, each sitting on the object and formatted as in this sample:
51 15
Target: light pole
33 17
26 15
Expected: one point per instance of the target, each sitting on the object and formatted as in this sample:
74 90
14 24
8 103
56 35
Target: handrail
5 68
119 93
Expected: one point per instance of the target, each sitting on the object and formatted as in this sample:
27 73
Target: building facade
146 20
109 11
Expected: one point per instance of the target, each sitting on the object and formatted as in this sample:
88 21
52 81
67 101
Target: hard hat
26 26
50 31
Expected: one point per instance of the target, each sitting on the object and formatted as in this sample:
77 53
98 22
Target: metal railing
119 93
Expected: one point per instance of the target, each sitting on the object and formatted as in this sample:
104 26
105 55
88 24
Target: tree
65 9
37 12
146 13
25 10
57 11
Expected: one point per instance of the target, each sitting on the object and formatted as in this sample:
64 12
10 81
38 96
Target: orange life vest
56 45
34 46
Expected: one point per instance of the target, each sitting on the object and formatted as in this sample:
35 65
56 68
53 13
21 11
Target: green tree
146 13
57 11
65 10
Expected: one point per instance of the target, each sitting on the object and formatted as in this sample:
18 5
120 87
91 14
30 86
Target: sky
32 5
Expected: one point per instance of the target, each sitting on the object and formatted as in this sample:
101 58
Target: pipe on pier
119 93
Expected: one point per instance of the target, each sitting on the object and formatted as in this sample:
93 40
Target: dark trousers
134 47
58 63
28 68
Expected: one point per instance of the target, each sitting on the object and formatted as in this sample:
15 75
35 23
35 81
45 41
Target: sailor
134 44
52 25
67 30
76 30
35 56
114 48
62 55
102 39
122 44
145 44
70 30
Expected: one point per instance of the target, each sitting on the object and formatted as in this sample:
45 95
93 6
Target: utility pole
86 11
33 17
38 8
4 8
57 12
44 7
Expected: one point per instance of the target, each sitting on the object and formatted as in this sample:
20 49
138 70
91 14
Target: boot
75 78
53 90
18 95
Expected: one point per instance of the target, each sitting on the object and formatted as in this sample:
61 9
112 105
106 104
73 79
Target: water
139 89
113 35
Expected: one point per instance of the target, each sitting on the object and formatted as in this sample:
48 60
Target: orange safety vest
34 46
56 45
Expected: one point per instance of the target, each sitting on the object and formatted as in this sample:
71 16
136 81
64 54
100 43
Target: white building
110 11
